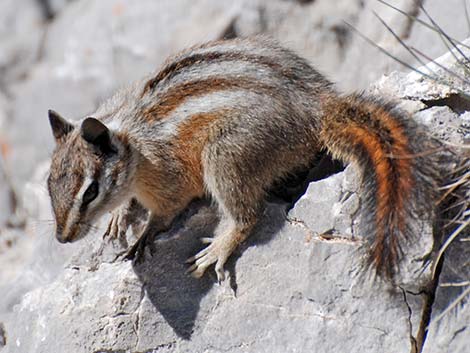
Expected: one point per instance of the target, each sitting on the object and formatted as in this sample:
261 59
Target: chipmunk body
228 119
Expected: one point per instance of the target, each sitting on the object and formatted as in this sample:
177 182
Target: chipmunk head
91 172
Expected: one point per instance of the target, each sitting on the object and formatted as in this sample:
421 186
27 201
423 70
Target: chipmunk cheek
77 232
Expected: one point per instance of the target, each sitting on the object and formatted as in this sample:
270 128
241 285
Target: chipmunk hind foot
218 251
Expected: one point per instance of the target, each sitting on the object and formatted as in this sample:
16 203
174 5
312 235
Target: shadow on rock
162 270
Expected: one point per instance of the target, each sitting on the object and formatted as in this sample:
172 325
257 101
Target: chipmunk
227 119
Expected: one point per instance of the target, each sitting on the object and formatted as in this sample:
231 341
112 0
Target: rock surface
299 283
289 290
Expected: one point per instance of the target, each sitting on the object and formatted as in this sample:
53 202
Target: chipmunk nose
60 237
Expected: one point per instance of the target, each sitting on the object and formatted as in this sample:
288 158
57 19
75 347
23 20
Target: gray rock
339 219
294 291
446 122
310 208
304 288
21 33
451 333
449 329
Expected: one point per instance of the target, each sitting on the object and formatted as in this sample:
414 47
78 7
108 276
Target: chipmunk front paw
117 226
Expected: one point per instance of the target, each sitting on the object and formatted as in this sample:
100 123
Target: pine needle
421 22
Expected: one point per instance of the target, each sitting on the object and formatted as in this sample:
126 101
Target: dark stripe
98 166
175 67
177 95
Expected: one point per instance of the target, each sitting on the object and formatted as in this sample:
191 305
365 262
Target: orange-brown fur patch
394 176
382 171
190 141
154 193
401 156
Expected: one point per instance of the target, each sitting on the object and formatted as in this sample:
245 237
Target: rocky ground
292 288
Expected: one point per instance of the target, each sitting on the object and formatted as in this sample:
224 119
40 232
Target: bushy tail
396 161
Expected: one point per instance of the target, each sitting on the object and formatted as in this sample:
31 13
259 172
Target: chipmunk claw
219 270
191 269
200 263
136 252
196 257
206 240
195 271
116 227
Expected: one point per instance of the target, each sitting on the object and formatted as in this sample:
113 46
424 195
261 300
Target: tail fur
398 170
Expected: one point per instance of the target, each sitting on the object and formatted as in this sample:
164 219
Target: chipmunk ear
60 127
96 133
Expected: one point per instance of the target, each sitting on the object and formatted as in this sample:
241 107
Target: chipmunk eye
91 193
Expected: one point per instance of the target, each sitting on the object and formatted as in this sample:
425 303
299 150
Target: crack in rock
328 236
413 343
455 101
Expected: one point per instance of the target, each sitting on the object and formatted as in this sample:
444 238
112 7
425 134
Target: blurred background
68 55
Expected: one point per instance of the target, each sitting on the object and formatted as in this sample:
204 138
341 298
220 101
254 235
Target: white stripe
74 213
167 128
